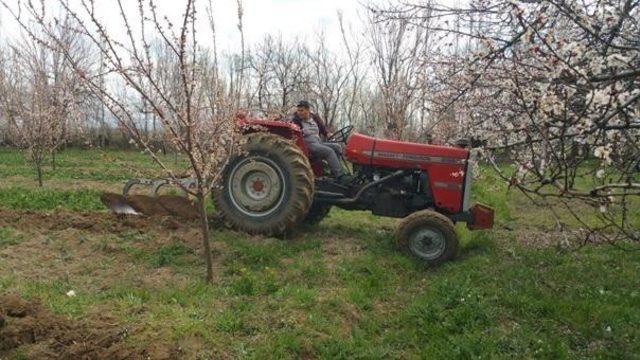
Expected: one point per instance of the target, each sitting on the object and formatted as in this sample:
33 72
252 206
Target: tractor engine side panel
444 165
447 184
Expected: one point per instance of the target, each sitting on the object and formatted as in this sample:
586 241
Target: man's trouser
328 152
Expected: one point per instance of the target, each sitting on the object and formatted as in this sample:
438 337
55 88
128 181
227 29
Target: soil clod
170 223
147 205
14 306
178 206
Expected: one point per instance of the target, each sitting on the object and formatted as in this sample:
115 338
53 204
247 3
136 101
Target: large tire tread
302 183
432 219
316 214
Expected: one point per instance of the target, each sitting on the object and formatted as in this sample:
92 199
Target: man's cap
304 104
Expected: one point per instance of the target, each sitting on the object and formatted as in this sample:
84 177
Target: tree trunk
204 228
53 160
39 172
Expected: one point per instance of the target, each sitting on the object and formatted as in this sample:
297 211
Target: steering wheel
341 135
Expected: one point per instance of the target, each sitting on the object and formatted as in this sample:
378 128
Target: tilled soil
147 205
94 222
39 334
63 243
90 221
179 206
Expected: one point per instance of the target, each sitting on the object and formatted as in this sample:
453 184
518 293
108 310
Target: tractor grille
468 177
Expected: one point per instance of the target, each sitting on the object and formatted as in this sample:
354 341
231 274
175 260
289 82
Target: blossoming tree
181 88
554 86
42 100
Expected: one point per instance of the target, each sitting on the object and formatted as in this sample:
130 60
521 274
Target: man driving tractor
274 185
315 132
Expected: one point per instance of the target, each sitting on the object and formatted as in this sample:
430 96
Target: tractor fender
286 129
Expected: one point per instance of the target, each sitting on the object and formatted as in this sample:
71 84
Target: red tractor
275 185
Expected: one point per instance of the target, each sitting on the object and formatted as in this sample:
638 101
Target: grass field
336 290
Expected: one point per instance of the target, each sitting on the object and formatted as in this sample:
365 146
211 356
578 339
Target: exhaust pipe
332 197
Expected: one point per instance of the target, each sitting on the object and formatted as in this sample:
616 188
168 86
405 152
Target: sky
291 18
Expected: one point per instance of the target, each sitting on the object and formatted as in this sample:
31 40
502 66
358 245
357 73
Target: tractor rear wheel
428 235
267 189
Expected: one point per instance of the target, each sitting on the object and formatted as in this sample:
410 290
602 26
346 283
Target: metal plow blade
117 204
163 205
154 205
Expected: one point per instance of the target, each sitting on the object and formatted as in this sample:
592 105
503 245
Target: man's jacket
321 127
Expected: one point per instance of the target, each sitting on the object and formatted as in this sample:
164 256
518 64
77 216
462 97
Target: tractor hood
366 150
445 166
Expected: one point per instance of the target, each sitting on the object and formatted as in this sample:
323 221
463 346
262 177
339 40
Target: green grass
77 164
10 236
339 290
23 198
169 254
514 209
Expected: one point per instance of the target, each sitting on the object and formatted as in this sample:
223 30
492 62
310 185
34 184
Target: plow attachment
153 204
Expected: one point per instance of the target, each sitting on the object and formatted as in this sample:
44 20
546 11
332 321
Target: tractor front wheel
428 235
267 189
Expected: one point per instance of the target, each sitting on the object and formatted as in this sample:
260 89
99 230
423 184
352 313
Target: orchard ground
336 290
